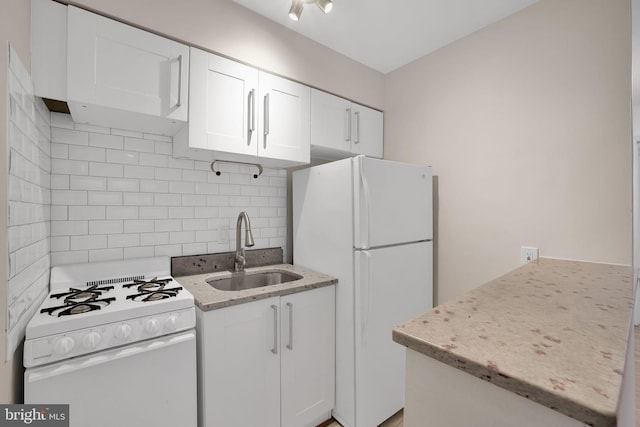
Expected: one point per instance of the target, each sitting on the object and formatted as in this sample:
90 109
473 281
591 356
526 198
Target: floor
394 421
397 419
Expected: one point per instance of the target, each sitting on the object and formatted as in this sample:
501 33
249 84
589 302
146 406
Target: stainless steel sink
249 280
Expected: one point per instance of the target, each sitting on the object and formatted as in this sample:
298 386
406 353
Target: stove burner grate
71 308
147 295
154 284
82 295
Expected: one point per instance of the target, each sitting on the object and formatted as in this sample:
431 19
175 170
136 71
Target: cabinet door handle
274 350
348 138
290 345
266 118
179 103
357 139
252 114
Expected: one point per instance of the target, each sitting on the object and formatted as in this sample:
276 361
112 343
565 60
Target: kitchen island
545 344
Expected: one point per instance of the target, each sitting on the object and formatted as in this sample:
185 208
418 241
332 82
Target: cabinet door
367 131
240 360
284 129
308 356
330 121
114 65
223 104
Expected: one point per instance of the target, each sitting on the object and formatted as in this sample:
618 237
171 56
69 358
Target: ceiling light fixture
298 5
296 9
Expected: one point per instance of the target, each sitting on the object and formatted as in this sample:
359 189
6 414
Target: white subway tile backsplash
140 201
140 172
123 157
123 184
95 183
153 186
151 159
79 152
106 169
104 198
153 239
70 167
164 147
58 182
106 141
137 144
168 225
128 133
86 212
122 212
138 252
69 136
139 225
153 212
68 197
106 227
28 200
88 242
70 257
97 255
123 240
59 151
90 128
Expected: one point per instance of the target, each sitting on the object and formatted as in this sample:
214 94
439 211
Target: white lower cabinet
268 363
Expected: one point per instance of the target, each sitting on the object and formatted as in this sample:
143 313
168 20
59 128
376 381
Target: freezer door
392 285
393 203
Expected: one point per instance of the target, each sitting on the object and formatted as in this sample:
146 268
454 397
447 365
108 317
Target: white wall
119 194
527 124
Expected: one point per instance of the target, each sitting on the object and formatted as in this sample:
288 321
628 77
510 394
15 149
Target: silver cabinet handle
266 119
274 350
179 103
357 114
348 111
290 345
251 119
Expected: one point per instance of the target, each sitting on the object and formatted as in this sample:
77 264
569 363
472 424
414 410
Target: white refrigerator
368 222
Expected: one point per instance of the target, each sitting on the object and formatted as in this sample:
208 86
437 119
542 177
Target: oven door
151 383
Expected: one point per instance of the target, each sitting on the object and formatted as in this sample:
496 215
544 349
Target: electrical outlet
528 254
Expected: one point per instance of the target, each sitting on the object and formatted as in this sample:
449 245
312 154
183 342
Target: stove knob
123 332
64 345
171 323
91 340
152 326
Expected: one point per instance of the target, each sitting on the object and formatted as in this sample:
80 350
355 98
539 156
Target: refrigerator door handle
366 299
367 204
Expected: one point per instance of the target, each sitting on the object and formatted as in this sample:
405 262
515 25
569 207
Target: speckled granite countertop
209 298
554 332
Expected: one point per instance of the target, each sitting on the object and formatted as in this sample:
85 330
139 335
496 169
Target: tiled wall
29 199
119 194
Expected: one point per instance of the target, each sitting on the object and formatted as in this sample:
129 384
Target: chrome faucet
248 241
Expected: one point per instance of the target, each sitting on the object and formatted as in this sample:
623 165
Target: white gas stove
107 322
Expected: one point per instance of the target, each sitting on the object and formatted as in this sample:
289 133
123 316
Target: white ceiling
387 34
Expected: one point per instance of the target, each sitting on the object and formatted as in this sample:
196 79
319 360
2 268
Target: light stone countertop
209 298
554 332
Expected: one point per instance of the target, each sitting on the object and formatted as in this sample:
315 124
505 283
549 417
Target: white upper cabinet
121 76
238 113
341 128
223 104
284 128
